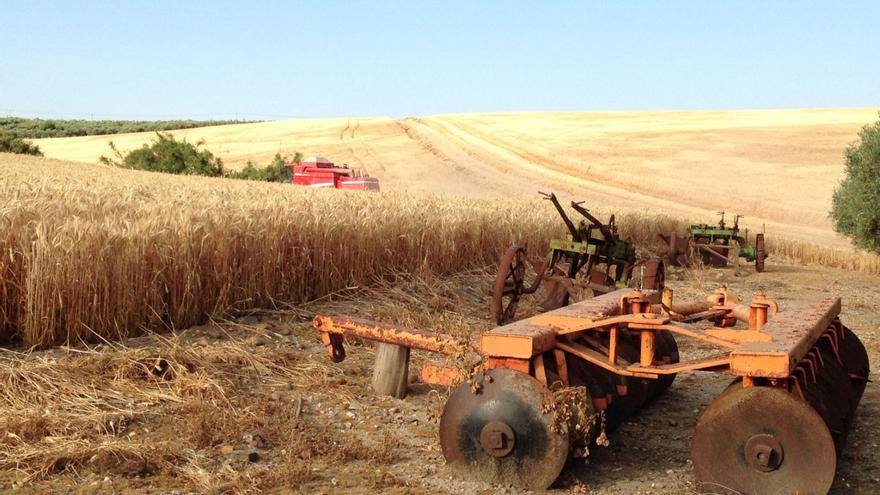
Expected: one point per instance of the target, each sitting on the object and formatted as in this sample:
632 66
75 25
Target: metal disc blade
762 440
499 433
854 356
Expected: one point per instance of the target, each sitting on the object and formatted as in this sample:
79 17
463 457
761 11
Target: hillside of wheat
93 251
776 167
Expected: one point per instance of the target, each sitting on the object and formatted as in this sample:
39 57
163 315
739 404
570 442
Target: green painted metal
621 250
572 246
748 252
710 231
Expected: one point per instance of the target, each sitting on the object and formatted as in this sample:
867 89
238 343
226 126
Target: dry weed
92 409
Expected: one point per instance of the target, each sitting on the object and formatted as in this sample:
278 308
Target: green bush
12 144
856 202
166 154
274 172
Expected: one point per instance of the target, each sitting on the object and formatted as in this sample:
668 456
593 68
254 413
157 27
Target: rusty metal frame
766 349
333 328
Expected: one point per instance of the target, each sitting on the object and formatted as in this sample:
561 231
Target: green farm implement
592 256
715 245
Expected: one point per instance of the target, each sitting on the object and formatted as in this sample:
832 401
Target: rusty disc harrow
778 428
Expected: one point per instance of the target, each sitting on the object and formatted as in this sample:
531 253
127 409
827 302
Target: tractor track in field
480 174
351 142
494 164
542 170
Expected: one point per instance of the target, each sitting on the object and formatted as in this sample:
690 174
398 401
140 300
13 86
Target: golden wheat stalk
105 253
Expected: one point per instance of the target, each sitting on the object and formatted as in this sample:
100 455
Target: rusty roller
549 387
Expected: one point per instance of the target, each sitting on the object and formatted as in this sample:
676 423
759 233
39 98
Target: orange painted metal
737 335
794 332
612 345
521 365
646 357
525 338
769 348
521 341
561 366
539 369
436 373
332 329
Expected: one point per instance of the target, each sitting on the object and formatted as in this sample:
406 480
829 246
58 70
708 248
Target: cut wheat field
92 252
777 167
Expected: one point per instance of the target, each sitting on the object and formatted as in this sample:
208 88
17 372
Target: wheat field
104 253
92 252
776 167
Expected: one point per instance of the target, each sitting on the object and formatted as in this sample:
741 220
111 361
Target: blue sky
268 60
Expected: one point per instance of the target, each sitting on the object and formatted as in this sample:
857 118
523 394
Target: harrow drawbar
549 387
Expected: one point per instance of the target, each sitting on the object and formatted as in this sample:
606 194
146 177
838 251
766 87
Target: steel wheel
655 275
508 286
760 253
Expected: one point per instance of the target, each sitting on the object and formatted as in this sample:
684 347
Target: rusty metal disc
655 275
760 253
496 431
762 440
855 359
556 290
678 249
666 353
508 286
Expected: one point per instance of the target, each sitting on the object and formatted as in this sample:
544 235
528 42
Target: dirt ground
252 404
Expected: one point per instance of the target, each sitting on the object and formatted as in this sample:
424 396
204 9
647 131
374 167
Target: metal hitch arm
334 328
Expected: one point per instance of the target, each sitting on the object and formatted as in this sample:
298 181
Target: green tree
12 144
274 172
856 203
166 154
39 128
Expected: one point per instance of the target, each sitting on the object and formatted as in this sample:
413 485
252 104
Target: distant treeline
48 128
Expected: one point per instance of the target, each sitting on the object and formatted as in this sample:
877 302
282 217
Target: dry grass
166 407
161 411
101 253
814 254
157 411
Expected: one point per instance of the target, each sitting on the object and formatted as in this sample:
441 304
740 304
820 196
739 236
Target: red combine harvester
321 172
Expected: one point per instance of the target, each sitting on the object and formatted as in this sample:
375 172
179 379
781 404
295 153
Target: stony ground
252 404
